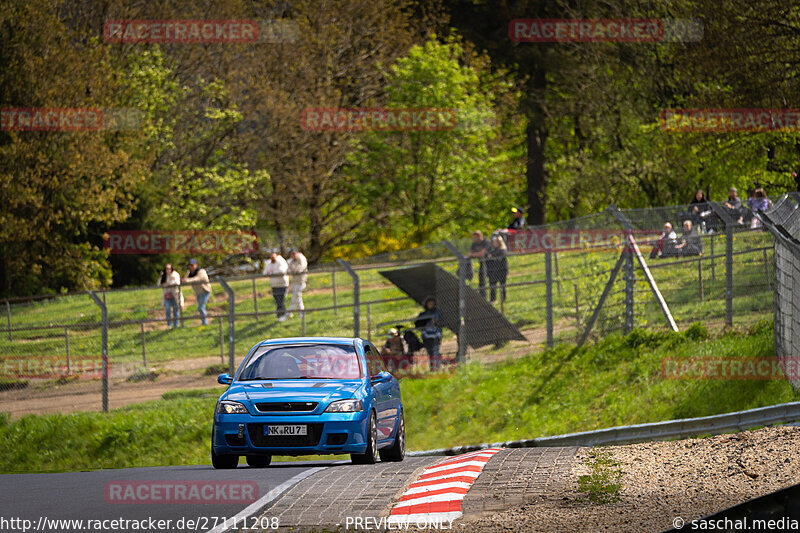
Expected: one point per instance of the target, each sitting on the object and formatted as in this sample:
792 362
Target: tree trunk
536 132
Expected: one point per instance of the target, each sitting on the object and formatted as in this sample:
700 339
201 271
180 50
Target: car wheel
371 455
398 450
258 461
224 461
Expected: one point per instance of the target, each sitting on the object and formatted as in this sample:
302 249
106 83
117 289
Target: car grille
258 438
284 407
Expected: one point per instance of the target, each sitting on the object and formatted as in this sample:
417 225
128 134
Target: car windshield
303 361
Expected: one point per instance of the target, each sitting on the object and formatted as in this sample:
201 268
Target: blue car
307 396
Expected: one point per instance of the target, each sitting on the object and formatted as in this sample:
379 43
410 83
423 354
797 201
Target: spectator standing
277 268
733 205
428 321
497 267
298 268
665 243
518 222
171 295
479 250
198 278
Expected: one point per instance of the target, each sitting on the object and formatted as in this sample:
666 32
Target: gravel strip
689 478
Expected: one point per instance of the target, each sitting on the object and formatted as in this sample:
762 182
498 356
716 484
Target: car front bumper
328 433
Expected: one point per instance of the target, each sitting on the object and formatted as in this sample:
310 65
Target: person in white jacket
298 268
170 282
276 268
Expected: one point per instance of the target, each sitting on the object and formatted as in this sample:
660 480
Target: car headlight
345 406
231 408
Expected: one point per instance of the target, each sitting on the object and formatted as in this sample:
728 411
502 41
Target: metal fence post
356 296
463 266
629 286
104 345
548 291
221 342
8 319
144 348
713 270
766 269
729 275
231 338
333 282
700 278
66 343
255 297
369 322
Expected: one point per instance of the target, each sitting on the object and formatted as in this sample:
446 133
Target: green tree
425 185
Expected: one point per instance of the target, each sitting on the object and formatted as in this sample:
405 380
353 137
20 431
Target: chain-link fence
783 222
566 282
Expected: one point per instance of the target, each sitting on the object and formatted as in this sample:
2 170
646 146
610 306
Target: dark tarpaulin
484 324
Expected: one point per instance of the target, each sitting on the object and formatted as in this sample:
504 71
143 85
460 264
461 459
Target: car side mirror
224 379
381 377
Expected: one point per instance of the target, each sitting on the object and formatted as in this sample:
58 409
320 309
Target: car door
385 405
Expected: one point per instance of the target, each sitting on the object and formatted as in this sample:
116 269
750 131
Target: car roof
302 340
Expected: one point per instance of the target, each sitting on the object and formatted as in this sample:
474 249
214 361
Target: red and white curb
435 498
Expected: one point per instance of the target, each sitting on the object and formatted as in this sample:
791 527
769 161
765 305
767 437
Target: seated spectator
760 203
665 243
394 345
689 243
518 222
733 206
699 209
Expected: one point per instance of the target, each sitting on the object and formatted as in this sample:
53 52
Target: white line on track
265 499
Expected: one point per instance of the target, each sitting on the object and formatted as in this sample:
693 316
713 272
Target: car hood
307 390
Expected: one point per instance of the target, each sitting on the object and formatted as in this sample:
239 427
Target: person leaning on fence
298 268
429 323
277 268
518 222
171 297
198 278
478 250
497 268
689 243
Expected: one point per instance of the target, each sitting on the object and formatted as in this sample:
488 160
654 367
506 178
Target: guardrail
670 429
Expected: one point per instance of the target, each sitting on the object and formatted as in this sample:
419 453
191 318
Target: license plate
286 430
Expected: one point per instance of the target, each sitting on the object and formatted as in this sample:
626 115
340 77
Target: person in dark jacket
518 222
689 243
429 323
478 250
699 209
497 268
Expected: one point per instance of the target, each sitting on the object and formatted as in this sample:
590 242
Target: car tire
371 455
398 450
258 461
224 462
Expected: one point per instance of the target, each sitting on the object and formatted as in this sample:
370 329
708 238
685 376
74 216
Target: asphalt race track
84 495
